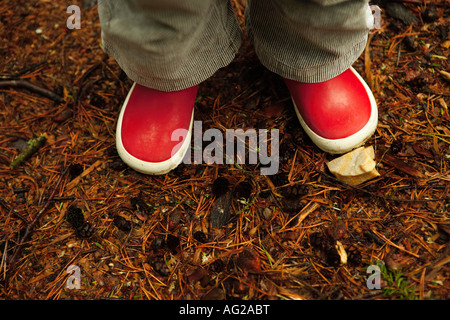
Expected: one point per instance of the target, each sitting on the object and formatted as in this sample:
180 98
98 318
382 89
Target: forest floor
73 202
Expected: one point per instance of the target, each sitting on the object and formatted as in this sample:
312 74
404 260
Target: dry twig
24 84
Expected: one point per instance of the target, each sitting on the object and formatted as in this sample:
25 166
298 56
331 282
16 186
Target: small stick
307 211
31 87
32 147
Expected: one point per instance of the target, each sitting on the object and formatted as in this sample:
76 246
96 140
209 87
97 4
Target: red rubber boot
147 121
339 114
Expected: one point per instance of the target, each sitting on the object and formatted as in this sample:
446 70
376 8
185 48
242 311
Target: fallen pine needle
382 237
86 172
306 211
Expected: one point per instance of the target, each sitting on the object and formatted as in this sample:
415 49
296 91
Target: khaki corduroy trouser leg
170 45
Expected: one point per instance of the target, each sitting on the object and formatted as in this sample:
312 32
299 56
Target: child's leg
169 45
312 45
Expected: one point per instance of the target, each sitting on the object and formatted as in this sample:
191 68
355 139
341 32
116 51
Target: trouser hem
200 69
311 74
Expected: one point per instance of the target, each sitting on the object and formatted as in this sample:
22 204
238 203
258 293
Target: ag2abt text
235 309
